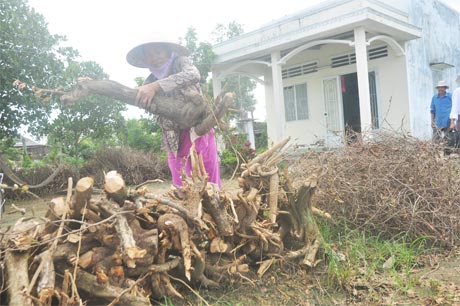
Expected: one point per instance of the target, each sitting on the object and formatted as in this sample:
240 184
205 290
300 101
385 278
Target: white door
333 112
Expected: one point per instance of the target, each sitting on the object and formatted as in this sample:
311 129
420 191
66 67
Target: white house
366 65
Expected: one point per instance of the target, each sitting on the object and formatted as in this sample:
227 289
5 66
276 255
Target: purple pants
205 147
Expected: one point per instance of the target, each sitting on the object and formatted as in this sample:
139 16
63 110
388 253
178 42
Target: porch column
216 83
278 99
216 89
363 79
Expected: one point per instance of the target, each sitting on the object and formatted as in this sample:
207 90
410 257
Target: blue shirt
441 107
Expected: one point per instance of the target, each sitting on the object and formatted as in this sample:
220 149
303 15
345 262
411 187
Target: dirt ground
437 277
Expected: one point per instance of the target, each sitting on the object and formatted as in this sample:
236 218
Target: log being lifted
193 114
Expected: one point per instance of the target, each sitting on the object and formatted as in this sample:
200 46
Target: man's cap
442 84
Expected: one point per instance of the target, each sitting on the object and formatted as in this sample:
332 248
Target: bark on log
111 260
303 214
249 207
321 213
89 284
130 251
195 187
18 277
186 115
263 156
56 208
184 212
214 117
273 198
178 227
25 233
218 212
158 290
198 272
155 268
145 239
47 277
310 256
161 284
93 256
227 267
68 250
218 245
91 215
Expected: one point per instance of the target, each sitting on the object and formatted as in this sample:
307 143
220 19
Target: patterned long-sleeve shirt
183 79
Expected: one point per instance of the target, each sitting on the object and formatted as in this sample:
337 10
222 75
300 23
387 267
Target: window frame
295 102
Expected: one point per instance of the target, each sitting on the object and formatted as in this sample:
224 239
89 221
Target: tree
95 119
31 54
143 134
242 86
222 33
28 52
200 52
202 56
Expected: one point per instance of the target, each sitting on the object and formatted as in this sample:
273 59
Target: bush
261 138
38 174
135 166
238 151
395 185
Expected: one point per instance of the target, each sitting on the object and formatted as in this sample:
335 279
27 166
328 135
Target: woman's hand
146 93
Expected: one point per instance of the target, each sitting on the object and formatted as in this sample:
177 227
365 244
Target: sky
105 30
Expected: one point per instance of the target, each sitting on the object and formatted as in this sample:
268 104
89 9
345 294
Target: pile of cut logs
132 246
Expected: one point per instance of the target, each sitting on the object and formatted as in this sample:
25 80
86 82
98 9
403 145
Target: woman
172 74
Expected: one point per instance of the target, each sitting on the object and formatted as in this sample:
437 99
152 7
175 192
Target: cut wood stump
115 187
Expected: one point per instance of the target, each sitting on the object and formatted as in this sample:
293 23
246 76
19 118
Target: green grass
356 256
166 301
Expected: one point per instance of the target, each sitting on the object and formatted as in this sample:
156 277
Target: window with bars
299 70
350 58
296 102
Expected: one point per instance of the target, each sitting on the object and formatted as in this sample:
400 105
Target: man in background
441 106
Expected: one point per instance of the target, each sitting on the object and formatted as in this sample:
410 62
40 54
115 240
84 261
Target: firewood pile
132 246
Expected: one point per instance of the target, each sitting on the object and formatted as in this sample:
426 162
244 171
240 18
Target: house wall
440 42
391 90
